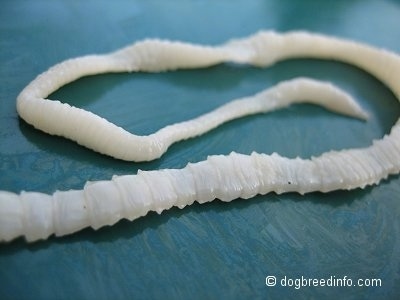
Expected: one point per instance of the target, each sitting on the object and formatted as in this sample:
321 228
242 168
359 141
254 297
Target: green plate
214 250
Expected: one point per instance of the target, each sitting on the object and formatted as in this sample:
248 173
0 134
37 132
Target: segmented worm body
37 216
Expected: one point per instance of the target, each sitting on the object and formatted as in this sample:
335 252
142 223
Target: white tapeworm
36 215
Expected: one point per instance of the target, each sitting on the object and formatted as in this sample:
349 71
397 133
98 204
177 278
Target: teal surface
214 250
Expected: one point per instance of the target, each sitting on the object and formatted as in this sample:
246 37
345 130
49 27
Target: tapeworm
37 215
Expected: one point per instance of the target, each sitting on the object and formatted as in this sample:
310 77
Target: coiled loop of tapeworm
36 215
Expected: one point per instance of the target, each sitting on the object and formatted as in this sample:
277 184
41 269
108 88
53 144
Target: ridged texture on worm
101 203
260 49
97 133
36 216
